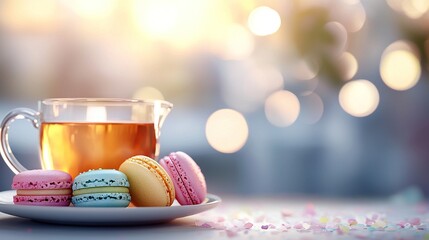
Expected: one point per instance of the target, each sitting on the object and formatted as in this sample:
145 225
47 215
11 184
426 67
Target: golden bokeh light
227 130
359 98
264 21
411 8
148 93
351 14
312 108
402 45
415 8
348 66
282 108
400 69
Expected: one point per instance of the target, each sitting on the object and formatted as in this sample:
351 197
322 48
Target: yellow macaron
150 185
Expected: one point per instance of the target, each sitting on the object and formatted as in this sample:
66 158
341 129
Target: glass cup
79 134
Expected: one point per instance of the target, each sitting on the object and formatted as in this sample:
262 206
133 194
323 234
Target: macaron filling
101 190
43 192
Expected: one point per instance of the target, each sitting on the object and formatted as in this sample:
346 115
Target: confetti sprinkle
286 213
309 210
415 221
324 219
353 224
248 225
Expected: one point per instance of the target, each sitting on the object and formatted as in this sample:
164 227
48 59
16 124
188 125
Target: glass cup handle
6 152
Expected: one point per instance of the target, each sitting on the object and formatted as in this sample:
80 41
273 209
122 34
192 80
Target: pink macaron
42 188
189 182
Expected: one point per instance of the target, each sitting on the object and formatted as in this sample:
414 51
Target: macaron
188 179
101 188
150 185
42 188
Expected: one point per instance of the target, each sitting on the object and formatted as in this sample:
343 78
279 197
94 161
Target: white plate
103 216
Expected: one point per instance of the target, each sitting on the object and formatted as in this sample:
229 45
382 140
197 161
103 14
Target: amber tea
76 147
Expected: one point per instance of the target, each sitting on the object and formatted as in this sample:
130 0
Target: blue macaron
101 188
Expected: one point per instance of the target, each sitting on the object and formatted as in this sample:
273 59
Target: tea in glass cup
77 135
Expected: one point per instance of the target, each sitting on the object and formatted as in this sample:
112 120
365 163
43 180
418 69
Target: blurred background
313 97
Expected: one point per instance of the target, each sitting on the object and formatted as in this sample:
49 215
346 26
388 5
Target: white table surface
266 218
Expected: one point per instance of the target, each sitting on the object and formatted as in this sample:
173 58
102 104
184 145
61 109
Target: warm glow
282 108
400 70
93 9
351 14
339 34
401 45
148 93
227 130
181 24
264 21
348 66
29 15
156 18
411 8
395 4
415 8
237 44
311 108
96 114
359 98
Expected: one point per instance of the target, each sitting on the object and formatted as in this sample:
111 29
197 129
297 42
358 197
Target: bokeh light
400 69
351 14
348 66
282 108
311 108
415 8
359 98
395 4
227 130
148 93
402 45
264 21
411 8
